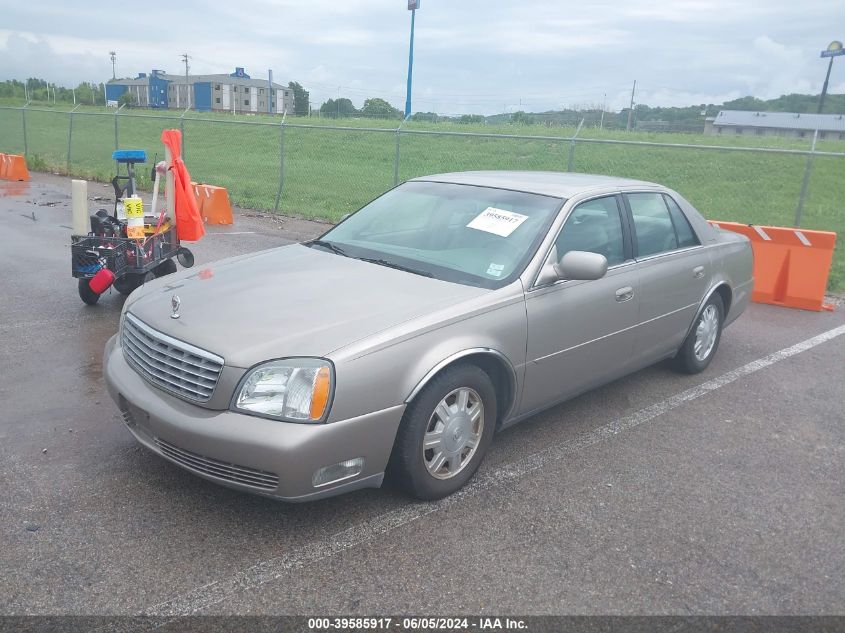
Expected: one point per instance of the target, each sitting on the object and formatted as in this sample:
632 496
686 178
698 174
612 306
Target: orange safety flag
189 224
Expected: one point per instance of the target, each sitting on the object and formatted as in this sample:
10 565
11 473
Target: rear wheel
445 433
128 282
86 294
167 267
703 340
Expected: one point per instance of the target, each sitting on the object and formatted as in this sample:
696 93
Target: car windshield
479 236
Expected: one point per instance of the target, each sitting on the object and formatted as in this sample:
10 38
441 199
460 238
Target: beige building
791 124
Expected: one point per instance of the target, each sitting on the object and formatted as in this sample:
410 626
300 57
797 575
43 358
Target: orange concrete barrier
2 166
214 204
791 266
14 167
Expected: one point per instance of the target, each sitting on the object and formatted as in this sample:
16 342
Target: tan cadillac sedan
400 341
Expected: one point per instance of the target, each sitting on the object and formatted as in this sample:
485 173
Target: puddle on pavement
12 189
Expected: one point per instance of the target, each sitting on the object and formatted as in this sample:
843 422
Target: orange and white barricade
791 266
13 167
213 203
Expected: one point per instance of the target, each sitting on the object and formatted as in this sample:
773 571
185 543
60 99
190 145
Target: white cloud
470 56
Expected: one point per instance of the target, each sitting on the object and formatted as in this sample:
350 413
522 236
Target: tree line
36 89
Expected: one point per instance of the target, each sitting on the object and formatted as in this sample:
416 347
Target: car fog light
338 472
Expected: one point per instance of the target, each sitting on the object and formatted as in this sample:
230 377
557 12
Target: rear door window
653 226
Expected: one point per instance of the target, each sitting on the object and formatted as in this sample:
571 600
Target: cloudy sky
470 55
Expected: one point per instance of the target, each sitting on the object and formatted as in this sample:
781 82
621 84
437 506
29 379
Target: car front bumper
266 457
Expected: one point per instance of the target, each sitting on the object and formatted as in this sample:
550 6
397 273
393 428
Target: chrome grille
182 369
242 475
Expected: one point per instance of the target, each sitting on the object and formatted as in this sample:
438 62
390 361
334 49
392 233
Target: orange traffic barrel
791 266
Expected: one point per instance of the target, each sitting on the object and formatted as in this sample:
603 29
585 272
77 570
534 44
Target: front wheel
703 340
86 294
445 433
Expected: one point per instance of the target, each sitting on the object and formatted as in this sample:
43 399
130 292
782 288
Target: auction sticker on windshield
497 221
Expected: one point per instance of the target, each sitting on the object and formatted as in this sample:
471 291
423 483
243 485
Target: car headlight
290 389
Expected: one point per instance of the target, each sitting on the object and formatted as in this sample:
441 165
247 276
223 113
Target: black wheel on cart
86 294
185 257
127 283
167 267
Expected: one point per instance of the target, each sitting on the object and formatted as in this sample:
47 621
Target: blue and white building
236 92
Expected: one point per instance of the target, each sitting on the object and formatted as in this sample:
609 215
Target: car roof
548 183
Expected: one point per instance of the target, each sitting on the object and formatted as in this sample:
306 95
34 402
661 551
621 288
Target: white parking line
231 233
274 568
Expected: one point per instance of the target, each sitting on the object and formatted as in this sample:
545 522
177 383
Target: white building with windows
792 124
236 92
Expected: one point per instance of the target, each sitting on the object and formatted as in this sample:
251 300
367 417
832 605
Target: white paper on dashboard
497 221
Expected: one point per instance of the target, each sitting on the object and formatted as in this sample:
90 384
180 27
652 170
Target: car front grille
177 367
233 473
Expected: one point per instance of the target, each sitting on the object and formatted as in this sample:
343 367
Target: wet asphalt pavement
630 499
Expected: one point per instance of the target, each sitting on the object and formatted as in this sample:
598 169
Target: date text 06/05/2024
415 623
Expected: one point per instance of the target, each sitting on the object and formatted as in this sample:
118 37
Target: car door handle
698 272
623 294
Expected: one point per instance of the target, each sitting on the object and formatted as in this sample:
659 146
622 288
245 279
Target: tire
437 472
86 294
185 257
127 283
708 331
167 267
130 281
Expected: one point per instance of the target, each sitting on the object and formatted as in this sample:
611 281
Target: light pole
413 5
834 49
113 56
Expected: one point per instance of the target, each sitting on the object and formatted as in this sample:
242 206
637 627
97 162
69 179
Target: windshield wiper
328 245
384 262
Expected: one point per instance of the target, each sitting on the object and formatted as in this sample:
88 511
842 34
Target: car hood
288 301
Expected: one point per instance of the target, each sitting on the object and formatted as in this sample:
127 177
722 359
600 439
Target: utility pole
185 58
631 109
413 5
603 108
113 56
74 95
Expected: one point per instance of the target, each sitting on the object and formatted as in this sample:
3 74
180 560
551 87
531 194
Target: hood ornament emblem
175 302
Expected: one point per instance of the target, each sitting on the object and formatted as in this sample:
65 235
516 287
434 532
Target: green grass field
330 172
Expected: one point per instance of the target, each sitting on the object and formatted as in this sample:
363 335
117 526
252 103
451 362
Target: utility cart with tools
126 249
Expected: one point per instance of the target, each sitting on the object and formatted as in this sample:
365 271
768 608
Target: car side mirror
574 265
581 265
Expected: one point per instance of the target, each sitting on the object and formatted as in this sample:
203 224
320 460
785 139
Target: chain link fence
317 171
